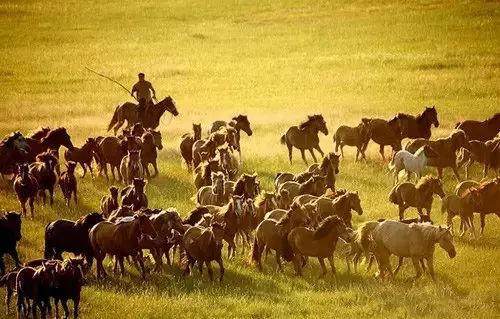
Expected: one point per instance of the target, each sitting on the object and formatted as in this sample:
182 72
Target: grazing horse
419 126
481 130
384 133
54 140
83 155
44 172
214 194
272 234
446 149
121 240
109 202
129 112
352 136
134 194
26 188
319 243
186 145
203 245
14 149
305 136
340 206
411 163
68 183
415 241
239 123
419 196
131 167
10 234
65 235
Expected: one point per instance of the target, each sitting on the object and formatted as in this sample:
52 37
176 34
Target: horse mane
195 215
46 156
308 122
42 132
326 226
429 232
9 138
424 182
401 116
54 132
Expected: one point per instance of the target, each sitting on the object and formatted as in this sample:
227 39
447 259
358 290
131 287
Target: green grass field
275 61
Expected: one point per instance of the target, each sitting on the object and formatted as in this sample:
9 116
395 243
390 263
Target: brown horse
208 145
203 172
481 130
230 215
203 245
134 194
264 203
384 133
214 194
418 126
68 183
328 168
284 177
228 163
129 112
340 206
305 136
121 240
112 150
53 140
352 136
446 149
419 196
44 172
272 234
26 188
83 155
239 123
40 133
186 145
247 186
477 151
320 243
313 186
131 167
109 202
151 140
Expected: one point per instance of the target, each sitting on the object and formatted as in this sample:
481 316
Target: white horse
412 163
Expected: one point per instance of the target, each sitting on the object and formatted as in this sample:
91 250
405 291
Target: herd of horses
304 216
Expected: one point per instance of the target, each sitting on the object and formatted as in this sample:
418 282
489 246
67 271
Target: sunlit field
275 61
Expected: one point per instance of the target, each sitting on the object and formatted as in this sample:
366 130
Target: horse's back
275 214
393 236
465 185
268 234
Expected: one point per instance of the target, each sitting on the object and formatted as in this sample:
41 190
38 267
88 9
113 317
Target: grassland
275 61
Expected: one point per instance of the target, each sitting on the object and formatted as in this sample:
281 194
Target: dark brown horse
481 130
384 133
68 183
134 194
83 155
149 152
418 126
40 133
26 188
44 172
239 123
352 136
247 186
121 240
54 140
186 145
305 136
112 150
109 202
14 149
129 112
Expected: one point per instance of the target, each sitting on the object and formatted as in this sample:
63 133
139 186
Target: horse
134 194
10 234
305 137
165 222
239 123
203 172
264 203
44 172
230 215
247 186
481 130
416 195
203 245
212 195
120 212
228 163
26 188
129 112
83 155
477 151
418 126
120 239
273 234
411 163
328 168
53 140
284 177
208 146
352 136
14 150
452 205
151 140
69 278
186 145
383 133
416 241
131 167
109 202
313 186
111 150
68 183
446 148
64 235
340 206
465 185
40 133
319 243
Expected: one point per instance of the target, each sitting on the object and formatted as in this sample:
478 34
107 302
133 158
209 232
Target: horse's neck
341 205
424 193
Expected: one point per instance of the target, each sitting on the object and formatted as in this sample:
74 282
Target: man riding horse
143 90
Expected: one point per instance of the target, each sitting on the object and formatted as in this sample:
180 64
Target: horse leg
51 195
467 165
323 267
122 267
32 206
209 269
76 306
483 222
332 264
402 209
278 261
313 156
42 194
290 148
23 207
455 171
430 266
74 197
64 303
84 169
221 267
381 151
416 265
400 263
143 269
155 166
318 148
303 154
297 262
440 172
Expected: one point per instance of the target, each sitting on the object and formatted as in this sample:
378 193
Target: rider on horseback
143 90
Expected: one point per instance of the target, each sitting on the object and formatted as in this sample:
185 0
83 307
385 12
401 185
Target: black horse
65 235
10 234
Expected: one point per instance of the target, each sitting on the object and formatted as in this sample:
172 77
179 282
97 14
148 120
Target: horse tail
48 251
365 232
283 139
337 142
256 251
287 252
186 261
114 119
393 195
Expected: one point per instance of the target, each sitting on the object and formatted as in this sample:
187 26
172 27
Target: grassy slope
276 62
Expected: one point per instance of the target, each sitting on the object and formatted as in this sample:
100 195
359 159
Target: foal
410 162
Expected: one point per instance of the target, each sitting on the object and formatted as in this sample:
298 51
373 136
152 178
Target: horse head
445 240
218 182
167 104
319 123
430 114
355 202
437 187
459 139
157 139
145 226
139 185
242 123
70 167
